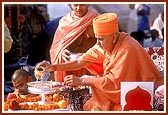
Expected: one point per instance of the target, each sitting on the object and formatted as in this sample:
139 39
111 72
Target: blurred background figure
51 26
7 39
143 12
158 24
153 41
147 34
36 18
139 36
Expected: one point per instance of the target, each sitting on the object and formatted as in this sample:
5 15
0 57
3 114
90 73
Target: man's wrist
55 67
87 80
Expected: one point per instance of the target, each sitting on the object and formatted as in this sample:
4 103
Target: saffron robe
128 61
69 29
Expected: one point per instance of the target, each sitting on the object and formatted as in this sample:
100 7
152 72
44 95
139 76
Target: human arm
71 65
85 80
67 66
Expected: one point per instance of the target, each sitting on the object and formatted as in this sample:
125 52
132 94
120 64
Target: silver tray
46 87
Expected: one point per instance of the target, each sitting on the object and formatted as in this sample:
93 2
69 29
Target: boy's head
20 78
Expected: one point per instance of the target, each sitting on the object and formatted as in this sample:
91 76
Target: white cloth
160 91
158 25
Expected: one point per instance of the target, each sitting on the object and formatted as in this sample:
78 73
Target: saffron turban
105 24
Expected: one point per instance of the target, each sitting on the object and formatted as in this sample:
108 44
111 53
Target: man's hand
65 55
47 68
72 80
42 64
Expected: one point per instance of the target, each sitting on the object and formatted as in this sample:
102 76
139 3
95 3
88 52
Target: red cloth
138 99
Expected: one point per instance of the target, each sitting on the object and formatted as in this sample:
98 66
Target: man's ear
30 79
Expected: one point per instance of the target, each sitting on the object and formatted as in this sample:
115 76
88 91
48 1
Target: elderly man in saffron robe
73 35
115 58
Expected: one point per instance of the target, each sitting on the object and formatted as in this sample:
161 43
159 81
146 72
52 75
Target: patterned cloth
157 55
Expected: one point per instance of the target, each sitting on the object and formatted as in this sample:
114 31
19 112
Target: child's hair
19 73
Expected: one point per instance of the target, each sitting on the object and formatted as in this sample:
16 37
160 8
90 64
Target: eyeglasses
19 86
